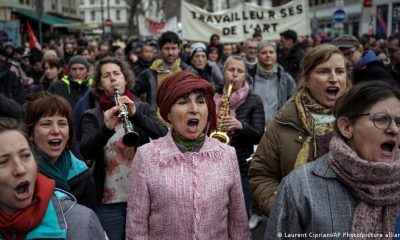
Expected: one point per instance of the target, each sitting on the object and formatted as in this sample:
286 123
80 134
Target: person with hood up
366 65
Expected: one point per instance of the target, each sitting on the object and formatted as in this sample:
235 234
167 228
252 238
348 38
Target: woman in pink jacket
186 185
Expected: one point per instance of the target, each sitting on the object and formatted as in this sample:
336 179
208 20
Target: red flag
33 42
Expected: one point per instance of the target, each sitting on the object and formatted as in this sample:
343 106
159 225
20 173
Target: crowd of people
171 139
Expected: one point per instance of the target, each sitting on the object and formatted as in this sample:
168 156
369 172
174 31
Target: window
28 2
118 15
82 2
91 2
21 1
117 1
82 14
92 15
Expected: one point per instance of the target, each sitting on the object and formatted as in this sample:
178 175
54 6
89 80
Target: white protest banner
150 28
239 23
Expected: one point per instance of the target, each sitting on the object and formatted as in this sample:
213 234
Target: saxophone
221 132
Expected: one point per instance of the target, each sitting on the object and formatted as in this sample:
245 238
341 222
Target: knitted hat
179 84
78 59
197 47
50 54
346 41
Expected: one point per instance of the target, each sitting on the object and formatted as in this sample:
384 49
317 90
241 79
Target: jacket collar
322 167
288 115
170 153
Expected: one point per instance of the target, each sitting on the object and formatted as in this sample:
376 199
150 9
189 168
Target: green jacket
276 155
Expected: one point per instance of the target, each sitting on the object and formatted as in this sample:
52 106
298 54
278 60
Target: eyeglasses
382 120
349 53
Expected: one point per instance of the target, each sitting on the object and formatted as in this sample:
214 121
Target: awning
79 26
46 18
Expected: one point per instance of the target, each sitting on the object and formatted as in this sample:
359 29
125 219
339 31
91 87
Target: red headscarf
19 224
178 85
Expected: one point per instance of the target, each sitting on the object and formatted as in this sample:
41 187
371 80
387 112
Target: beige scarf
375 184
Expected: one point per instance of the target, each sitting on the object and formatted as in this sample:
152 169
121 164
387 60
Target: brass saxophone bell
221 133
221 136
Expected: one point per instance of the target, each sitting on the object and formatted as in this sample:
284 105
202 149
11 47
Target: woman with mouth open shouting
186 185
352 192
301 130
49 122
30 205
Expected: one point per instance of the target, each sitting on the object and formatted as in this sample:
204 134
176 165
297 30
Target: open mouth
388 146
55 142
22 188
332 91
193 123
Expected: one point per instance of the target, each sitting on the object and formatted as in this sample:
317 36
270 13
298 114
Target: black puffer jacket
251 115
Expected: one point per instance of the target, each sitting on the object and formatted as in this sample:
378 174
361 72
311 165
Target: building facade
62 8
375 17
96 12
56 18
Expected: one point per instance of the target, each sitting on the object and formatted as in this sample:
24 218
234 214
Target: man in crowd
146 57
76 83
12 93
250 51
291 53
366 65
36 71
393 46
148 81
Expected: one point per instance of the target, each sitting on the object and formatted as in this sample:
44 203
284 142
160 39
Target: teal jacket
80 180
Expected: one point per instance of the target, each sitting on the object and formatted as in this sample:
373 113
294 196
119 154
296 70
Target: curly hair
126 71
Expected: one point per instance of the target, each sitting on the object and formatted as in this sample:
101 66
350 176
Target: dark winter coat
370 67
291 60
12 93
95 136
251 115
70 90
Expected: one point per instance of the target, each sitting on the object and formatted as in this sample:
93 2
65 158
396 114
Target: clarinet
131 137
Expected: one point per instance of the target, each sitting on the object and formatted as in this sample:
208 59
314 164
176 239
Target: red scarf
106 102
17 226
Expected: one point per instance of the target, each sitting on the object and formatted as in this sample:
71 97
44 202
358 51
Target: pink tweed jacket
193 195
